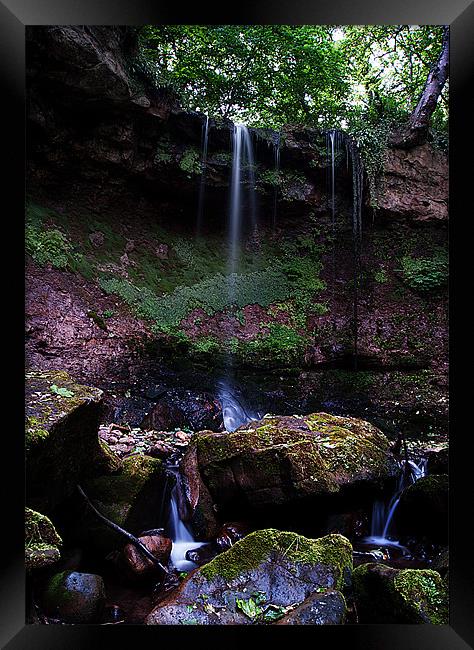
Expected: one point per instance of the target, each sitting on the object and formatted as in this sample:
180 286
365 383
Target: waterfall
243 168
202 183
180 535
382 513
357 188
276 153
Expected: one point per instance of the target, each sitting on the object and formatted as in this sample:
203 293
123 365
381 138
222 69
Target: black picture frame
14 16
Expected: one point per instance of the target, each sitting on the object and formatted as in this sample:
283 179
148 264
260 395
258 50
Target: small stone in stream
139 566
203 554
112 440
230 533
181 435
75 597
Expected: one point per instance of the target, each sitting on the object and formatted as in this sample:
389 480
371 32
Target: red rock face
61 335
414 184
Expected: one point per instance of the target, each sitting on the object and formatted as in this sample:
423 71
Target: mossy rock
283 568
62 443
423 508
386 595
42 542
74 597
130 498
279 459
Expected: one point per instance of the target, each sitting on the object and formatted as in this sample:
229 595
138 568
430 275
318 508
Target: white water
242 195
202 184
276 146
233 411
181 536
382 514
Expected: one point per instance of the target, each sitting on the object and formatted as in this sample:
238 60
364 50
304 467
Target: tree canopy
319 75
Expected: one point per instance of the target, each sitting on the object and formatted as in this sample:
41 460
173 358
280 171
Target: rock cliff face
117 165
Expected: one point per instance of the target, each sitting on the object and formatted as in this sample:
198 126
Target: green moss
424 591
42 542
190 161
252 550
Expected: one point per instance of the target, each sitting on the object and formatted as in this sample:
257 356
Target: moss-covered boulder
386 595
279 459
42 542
62 444
423 508
74 597
267 568
131 498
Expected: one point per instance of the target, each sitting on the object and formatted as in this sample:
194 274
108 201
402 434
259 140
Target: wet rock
351 524
160 450
423 508
203 554
230 533
280 459
386 595
42 542
62 421
282 568
319 609
199 509
185 408
74 597
130 498
438 459
139 566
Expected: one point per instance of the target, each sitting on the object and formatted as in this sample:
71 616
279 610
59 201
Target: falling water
276 149
243 168
181 536
202 184
382 514
357 187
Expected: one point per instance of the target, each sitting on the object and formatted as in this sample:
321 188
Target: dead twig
131 538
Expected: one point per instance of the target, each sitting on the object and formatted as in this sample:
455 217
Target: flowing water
382 513
276 153
242 218
181 536
202 183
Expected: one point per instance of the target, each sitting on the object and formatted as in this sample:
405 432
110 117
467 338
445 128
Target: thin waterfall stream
202 182
383 512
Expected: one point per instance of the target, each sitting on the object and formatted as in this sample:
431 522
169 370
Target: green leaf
62 392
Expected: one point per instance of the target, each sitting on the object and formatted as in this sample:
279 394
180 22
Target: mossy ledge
251 551
42 542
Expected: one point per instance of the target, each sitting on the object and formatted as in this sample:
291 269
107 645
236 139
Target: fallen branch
131 538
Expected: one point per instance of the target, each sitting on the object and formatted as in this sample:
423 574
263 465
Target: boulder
139 566
281 459
131 499
62 443
42 542
199 508
386 595
423 508
318 609
74 597
267 568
